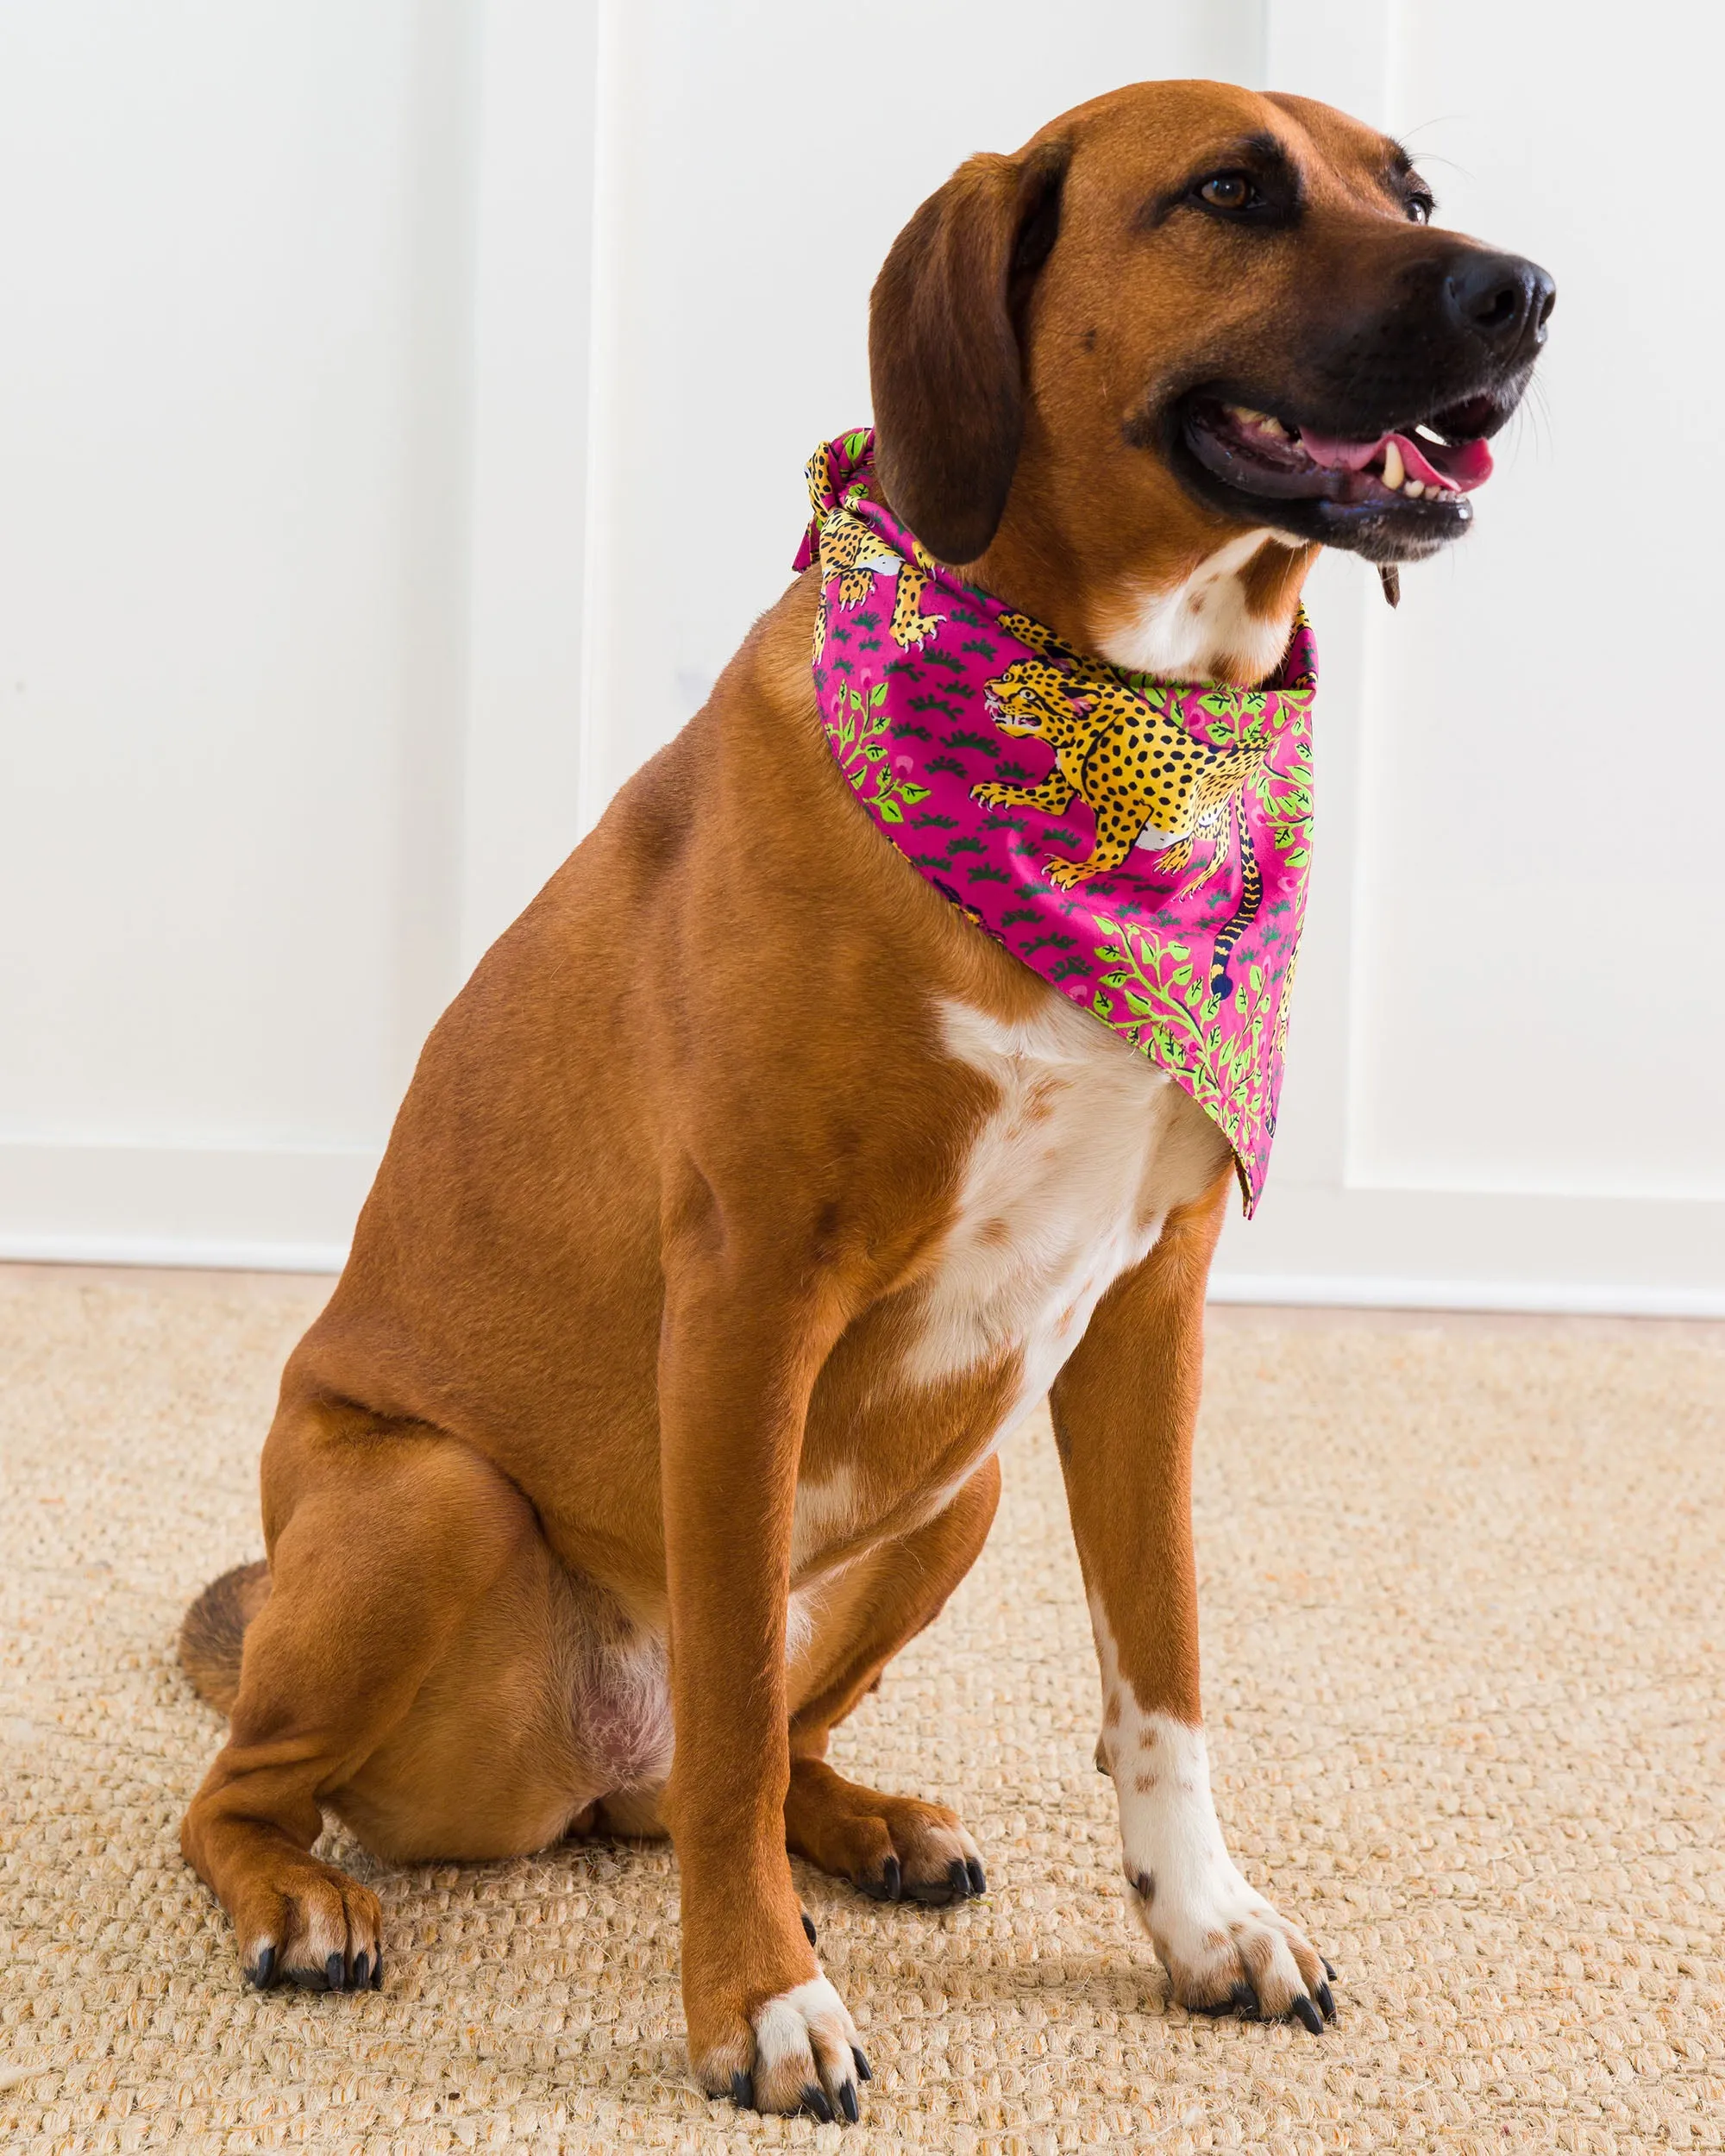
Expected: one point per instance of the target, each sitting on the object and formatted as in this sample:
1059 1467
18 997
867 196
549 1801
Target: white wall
1508 1048
360 357
293 506
740 242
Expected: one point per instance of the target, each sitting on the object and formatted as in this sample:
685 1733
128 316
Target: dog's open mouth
1394 495
1263 454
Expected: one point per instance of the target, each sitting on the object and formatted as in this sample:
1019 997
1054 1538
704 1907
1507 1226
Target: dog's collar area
1141 844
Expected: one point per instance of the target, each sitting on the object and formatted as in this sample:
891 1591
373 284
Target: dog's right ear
944 363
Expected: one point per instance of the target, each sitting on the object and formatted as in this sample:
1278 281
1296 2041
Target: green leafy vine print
860 736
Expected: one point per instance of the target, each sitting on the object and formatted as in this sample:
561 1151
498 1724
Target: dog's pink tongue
1331 451
1465 466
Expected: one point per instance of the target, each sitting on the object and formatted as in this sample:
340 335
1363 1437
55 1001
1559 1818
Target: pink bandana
1142 845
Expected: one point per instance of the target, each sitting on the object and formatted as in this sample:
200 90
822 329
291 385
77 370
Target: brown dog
662 1390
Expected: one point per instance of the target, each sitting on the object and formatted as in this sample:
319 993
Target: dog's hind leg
888 1846
384 1536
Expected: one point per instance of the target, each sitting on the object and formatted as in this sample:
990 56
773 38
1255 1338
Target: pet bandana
1142 845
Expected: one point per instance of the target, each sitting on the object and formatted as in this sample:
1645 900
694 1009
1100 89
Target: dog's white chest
1068 1181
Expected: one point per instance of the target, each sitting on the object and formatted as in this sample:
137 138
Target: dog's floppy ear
943 358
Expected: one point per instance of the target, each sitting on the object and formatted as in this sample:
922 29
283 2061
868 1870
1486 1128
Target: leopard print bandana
1142 845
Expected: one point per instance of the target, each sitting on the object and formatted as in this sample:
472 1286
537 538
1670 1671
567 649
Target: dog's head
1182 315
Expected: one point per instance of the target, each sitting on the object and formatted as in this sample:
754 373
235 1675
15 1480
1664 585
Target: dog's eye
1229 190
1419 207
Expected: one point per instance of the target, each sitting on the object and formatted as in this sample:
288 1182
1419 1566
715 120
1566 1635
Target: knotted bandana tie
1142 845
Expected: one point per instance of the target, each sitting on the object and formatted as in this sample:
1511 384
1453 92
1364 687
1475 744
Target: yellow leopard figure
1146 778
850 552
1041 639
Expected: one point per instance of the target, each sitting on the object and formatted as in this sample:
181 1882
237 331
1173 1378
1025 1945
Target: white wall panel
291 522
533 180
757 158
1541 997
230 442
211 271
1501 1093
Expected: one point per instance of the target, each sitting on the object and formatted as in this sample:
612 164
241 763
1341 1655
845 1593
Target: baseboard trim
1579 1298
172 1254
291 1210
1293 1290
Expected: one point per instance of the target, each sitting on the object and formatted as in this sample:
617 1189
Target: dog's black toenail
1245 2002
1307 2016
958 1878
377 1971
864 2071
332 1973
978 1877
892 1878
814 2100
847 2101
262 1970
808 1927
1215 2007
1329 1972
363 1970
1326 2002
742 2095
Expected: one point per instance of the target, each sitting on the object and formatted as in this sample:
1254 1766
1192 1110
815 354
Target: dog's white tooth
1414 489
1271 424
1394 470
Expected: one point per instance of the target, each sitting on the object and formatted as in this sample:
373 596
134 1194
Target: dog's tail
215 1630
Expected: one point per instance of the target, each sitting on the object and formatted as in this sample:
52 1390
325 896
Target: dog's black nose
1499 297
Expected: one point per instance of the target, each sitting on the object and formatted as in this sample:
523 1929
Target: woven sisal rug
1463 1601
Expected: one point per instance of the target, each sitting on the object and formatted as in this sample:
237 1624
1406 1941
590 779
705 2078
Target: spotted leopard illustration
857 555
1149 781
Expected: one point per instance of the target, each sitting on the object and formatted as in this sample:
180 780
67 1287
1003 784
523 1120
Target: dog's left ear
944 361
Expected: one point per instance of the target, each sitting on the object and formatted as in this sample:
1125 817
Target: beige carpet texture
1464 1602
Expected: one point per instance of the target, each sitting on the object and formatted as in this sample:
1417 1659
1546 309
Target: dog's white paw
807 2055
1225 1949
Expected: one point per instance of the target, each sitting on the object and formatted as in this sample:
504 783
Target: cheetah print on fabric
1142 845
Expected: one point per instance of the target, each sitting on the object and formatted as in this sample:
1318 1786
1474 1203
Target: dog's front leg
1124 1410
743 1338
